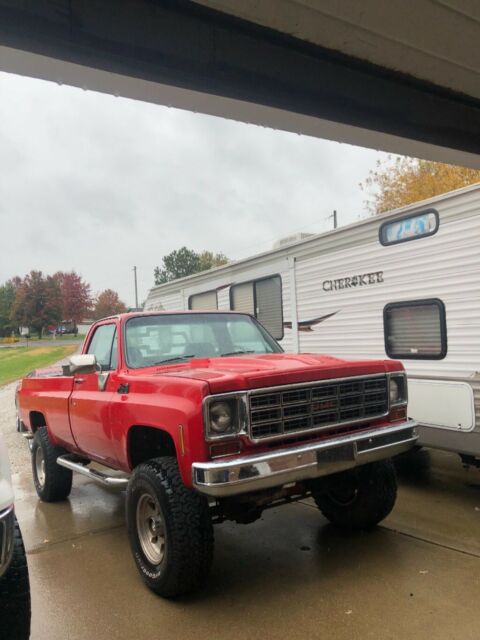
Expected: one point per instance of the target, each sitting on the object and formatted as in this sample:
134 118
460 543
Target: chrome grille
316 406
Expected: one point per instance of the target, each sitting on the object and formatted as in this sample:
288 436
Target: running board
93 474
28 435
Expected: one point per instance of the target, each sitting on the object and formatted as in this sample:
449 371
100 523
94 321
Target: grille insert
316 407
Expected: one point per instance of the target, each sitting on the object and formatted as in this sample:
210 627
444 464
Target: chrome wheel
40 466
151 528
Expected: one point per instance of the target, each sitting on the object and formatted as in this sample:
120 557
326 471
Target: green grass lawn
15 362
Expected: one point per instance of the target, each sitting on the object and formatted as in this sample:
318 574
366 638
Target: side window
206 301
104 345
268 298
415 330
242 297
408 228
263 299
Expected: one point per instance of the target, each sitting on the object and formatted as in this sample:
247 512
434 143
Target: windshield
155 340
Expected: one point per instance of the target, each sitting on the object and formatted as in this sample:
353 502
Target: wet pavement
287 575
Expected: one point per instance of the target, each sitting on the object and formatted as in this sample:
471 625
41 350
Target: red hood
250 372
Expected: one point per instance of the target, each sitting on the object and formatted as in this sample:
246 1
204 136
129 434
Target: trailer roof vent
295 237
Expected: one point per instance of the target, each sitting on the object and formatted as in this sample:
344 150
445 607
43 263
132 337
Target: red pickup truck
202 417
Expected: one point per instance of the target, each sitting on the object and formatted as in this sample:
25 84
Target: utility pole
136 290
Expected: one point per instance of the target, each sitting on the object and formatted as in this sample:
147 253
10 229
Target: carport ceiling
395 75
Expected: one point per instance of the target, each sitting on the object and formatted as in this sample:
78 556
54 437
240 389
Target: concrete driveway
289 575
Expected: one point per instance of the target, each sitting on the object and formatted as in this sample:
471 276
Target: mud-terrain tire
359 498
52 482
169 528
15 610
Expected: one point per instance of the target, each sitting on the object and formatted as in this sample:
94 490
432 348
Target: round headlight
220 417
394 391
398 389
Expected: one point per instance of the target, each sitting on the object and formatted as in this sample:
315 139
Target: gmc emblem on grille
326 404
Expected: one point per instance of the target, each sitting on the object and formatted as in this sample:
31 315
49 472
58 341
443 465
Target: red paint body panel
97 423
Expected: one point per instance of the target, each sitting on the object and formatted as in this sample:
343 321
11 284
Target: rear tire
359 498
169 528
15 608
52 482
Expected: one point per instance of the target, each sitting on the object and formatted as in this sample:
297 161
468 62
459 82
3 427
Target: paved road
289 575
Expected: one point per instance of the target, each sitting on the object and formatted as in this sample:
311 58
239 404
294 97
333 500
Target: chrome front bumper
230 477
7 528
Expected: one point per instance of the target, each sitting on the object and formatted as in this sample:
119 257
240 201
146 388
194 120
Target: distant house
84 326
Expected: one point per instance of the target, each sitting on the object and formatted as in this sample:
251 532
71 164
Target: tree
184 262
76 296
403 180
107 304
208 260
38 302
8 292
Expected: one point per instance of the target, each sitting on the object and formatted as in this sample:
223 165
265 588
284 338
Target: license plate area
342 453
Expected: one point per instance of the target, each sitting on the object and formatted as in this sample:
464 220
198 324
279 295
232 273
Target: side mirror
82 363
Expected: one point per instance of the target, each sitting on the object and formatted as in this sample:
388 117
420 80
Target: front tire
15 608
52 482
359 498
169 528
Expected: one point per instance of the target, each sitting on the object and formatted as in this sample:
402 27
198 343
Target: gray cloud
97 184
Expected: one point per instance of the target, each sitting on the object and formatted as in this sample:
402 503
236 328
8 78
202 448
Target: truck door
90 402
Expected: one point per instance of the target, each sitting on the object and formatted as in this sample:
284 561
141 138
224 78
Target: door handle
79 380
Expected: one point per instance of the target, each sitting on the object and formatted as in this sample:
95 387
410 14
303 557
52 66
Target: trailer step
93 474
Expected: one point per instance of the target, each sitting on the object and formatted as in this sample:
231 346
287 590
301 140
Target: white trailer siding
168 301
444 266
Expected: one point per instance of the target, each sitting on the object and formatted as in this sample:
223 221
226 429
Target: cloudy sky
98 184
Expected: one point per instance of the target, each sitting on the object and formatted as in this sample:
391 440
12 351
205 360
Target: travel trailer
402 285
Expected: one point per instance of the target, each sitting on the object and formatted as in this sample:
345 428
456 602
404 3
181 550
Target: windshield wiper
235 353
173 359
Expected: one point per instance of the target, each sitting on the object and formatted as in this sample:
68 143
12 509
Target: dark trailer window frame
411 216
254 282
417 356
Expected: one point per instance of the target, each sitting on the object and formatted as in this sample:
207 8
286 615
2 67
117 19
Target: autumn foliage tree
38 302
402 180
76 296
107 303
8 293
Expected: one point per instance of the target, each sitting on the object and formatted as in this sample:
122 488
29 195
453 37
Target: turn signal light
398 413
224 449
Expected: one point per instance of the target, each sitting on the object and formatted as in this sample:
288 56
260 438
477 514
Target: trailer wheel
169 528
360 498
15 594
52 482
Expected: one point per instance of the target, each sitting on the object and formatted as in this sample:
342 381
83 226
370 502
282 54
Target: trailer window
415 330
206 301
410 228
263 299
